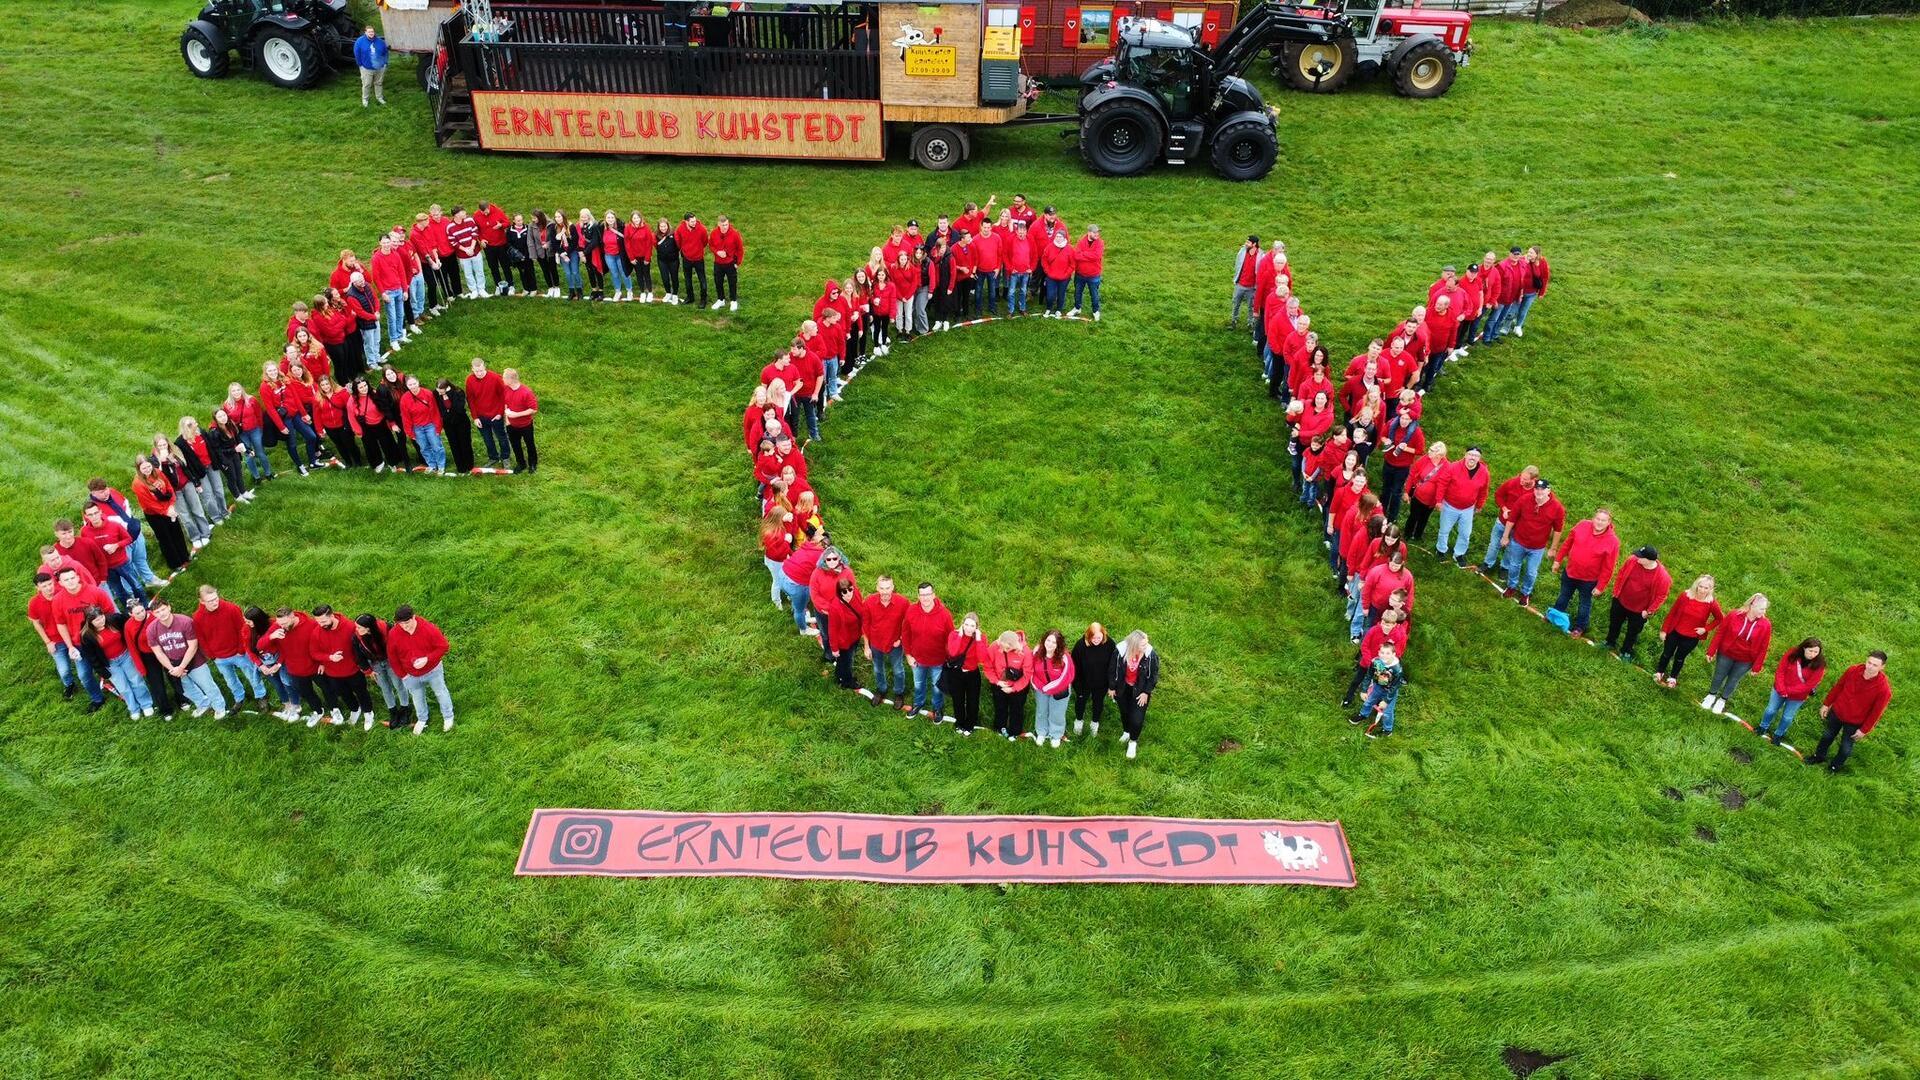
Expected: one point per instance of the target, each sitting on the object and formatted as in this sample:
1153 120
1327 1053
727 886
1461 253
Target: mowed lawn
1549 851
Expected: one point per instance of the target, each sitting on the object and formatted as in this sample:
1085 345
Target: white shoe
811 631
1096 316
220 714
733 305
289 714
419 727
1519 332
147 712
1707 702
1093 729
1055 744
1719 706
1079 726
647 299
715 306
335 718
313 719
1132 748
1462 351
447 724
199 711
1074 314
367 723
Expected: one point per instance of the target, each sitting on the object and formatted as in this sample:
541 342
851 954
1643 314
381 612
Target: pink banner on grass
910 849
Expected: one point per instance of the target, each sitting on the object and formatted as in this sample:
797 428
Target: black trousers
500 265
1845 732
726 281
1095 697
670 275
596 277
172 539
1417 515
1133 717
1393 480
343 445
433 284
963 697
380 447
642 270
843 668
450 283
526 456
526 276
459 442
1353 686
689 270
1009 712
305 690
348 693
1620 618
1673 655
550 271
167 696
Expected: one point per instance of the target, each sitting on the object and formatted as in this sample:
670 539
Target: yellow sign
933 61
1002 43
643 124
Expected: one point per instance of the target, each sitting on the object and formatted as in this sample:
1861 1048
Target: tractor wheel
1121 138
938 147
1245 150
287 60
205 59
1318 68
1425 72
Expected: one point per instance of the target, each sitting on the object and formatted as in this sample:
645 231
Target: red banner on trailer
661 124
907 849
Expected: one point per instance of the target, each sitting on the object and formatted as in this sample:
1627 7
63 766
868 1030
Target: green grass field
1546 853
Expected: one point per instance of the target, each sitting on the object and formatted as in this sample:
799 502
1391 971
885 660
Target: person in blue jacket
370 52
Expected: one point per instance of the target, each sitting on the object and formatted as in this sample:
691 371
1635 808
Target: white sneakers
313 719
1078 725
419 727
1074 314
1094 729
1132 749
199 711
1096 316
1055 744
1519 331
335 718
733 305
446 724
715 306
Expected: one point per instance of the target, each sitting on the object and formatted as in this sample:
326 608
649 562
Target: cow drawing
1293 852
910 35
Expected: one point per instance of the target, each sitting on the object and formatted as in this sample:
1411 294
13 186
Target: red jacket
691 236
222 631
295 645
1856 699
88 554
822 583
1742 638
323 643
492 223
1017 662
884 622
1461 489
1507 495
1691 618
1531 524
1018 251
109 531
1057 262
925 633
1355 539
1535 282
1377 636
403 648
419 409
486 395
639 242
1089 255
728 248
970 651
1052 677
1640 589
1794 680
1380 583
844 618
1393 435
1423 481
154 494
1590 555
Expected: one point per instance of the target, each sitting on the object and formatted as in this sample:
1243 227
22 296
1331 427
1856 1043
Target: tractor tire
1245 150
423 71
204 58
1121 138
1425 72
1300 60
288 60
939 148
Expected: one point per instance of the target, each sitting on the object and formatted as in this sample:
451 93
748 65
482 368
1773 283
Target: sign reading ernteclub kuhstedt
659 124
930 850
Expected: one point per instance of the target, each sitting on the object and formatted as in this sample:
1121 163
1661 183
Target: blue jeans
1495 540
927 677
1529 558
257 464
798 598
570 262
833 378
300 434
617 279
241 676
370 344
1017 292
473 274
127 680
137 558
1520 310
393 308
1497 322
417 294
897 656
1356 611
1449 520
416 687
493 431
1570 586
1081 284
391 692
283 685
124 583
811 408
1378 696
1055 291
200 688
1049 717
431 450
62 664
1784 709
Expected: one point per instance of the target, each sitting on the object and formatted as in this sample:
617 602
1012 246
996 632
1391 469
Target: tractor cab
1164 60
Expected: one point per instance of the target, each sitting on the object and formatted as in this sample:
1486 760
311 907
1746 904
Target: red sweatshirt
486 395
1377 636
324 643
419 409
973 649
109 531
924 633
1590 555
425 641
1014 666
1794 680
1691 618
1856 699
1640 589
884 622
692 238
843 617
1740 637
492 223
1462 489
1056 262
1533 523
640 242
295 645
222 631
1089 255
728 248
1380 583
86 554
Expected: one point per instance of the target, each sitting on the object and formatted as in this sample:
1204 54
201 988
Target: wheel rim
281 59
1244 151
936 150
1122 138
198 55
1426 73
1315 55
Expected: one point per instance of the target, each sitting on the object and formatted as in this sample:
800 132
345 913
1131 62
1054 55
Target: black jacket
1092 665
1145 681
224 448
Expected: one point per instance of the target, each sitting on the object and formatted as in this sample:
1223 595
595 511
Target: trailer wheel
288 60
204 58
1245 150
1425 72
939 148
1120 138
1318 67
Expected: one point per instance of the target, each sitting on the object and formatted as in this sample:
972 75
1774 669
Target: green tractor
290 42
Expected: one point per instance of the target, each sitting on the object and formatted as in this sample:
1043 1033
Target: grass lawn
1547 855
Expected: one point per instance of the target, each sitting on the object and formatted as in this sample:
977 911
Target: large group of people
1343 417
975 265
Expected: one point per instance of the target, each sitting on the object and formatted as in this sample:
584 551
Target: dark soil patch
1740 755
1706 835
933 809
297 816
1674 793
1733 798
1525 1063
405 182
1227 746
1577 13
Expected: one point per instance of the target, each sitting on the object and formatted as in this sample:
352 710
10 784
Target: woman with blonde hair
1739 646
203 468
776 543
1010 671
1134 677
1688 622
192 515
960 675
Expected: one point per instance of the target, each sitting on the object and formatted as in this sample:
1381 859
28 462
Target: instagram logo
581 841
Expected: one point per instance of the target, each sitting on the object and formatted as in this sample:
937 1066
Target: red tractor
1419 48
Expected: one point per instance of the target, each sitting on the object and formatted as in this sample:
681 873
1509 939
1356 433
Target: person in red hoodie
1056 269
796 574
1391 629
1462 489
924 636
415 651
1640 590
1382 582
1472 316
729 251
822 586
1688 622
487 397
1534 522
1402 441
1795 678
333 647
966 657
1506 498
420 416
842 614
291 638
222 629
692 238
1740 645
883 619
1509 275
1585 561
1009 672
1853 707
389 276
493 224
1534 275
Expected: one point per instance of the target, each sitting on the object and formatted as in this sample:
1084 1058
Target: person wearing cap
1533 526
1505 498
1507 276
1401 443
1245 269
1641 589
1462 489
1853 707
1585 560
415 651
